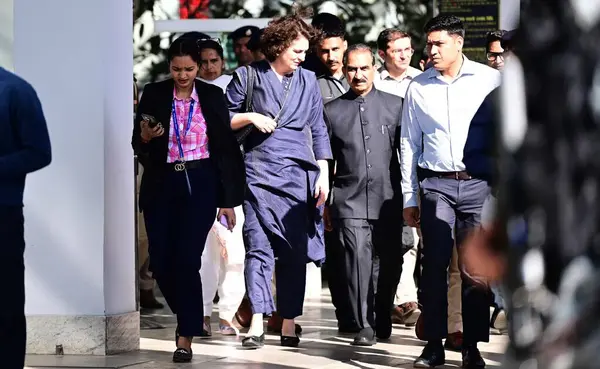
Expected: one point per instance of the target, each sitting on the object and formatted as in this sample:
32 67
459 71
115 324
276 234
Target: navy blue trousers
266 253
177 224
12 272
450 208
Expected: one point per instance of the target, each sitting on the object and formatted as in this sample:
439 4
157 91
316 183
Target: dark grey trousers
450 208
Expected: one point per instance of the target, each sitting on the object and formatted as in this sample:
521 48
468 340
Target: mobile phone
152 122
223 221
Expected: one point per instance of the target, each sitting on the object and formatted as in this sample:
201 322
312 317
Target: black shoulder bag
241 134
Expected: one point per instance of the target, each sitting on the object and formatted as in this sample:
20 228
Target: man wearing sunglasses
494 52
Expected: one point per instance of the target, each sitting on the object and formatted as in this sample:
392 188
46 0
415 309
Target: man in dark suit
24 148
366 198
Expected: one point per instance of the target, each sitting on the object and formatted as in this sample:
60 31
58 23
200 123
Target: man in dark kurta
367 201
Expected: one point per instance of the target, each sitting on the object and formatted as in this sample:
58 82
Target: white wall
6 34
79 211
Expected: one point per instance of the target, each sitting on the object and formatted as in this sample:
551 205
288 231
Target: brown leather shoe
407 314
454 341
244 314
149 301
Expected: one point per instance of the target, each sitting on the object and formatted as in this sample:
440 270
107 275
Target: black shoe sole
423 365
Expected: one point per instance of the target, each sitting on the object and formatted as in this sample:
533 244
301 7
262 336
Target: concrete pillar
80 263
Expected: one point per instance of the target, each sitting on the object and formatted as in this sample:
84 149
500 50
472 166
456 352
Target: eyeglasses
493 56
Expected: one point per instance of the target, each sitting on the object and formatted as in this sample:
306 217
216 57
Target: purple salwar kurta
282 220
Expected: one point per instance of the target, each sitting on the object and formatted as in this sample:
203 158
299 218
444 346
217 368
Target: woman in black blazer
191 168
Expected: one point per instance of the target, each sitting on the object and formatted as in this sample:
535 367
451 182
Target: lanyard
186 128
178 138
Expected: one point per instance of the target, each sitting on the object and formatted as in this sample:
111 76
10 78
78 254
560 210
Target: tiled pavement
321 347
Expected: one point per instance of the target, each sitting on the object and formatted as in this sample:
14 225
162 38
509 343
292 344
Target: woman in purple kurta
286 170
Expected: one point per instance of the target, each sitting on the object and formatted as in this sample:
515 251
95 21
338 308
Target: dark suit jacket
224 150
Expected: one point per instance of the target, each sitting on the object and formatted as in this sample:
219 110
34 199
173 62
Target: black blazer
224 150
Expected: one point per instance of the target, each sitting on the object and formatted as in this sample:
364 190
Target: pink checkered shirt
195 142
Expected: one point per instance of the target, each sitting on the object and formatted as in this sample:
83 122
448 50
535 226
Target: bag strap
251 76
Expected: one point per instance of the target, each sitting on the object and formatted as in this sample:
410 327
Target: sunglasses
201 40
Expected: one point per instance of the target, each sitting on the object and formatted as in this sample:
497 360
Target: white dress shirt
386 83
435 121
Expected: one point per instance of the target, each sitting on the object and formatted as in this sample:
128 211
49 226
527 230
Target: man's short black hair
330 25
508 40
449 23
492 37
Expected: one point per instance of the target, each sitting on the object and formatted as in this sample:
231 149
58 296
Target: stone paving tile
321 347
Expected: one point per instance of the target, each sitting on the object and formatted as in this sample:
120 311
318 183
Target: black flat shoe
471 359
253 342
287 341
182 355
433 355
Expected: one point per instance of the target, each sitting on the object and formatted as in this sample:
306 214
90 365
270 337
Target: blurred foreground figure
549 205
24 148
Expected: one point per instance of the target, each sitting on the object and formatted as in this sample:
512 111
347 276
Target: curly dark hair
282 31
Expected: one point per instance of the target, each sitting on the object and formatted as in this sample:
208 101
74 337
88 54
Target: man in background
24 148
330 53
494 51
240 38
395 48
254 46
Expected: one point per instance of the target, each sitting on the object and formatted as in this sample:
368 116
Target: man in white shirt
438 109
395 48
393 77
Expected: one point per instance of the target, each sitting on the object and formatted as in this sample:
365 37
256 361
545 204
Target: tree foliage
365 19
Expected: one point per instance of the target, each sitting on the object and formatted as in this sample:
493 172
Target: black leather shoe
471 358
253 342
287 341
433 355
182 355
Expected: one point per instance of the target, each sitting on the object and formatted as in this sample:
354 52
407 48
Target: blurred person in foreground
24 148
